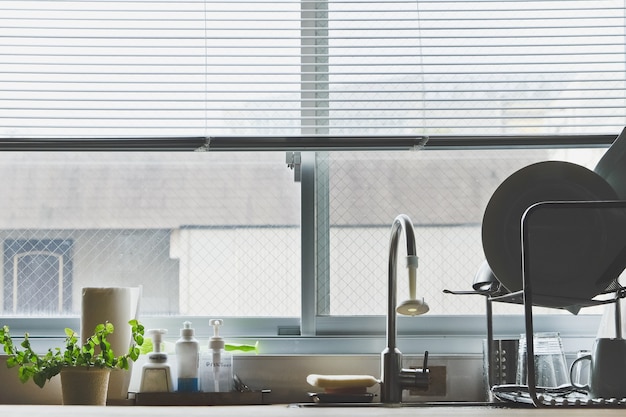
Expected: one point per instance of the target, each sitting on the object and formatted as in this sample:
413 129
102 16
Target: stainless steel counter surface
286 411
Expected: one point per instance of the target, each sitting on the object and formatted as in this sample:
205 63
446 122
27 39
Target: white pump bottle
155 374
187 358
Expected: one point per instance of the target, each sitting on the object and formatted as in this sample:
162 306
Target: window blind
126 69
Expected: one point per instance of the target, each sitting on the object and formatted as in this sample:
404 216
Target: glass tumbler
550 364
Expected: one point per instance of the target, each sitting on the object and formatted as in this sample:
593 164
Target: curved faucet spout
402 223
391 357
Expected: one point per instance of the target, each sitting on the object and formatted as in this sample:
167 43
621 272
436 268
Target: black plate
612 166
501 228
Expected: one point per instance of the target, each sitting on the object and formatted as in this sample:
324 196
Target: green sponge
230 347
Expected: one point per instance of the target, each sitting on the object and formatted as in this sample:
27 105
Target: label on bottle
216 373
211 364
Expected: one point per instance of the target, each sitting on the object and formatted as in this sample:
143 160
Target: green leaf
123 363
134 353
39 379
8 348
23 373
109 328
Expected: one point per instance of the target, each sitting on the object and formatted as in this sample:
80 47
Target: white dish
501 228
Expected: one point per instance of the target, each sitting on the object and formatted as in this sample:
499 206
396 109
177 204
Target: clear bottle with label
216 365
187 359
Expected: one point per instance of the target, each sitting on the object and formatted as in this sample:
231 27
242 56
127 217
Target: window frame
457 330
317 333
15 249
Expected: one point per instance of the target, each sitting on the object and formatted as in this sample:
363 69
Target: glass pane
445 194
203 233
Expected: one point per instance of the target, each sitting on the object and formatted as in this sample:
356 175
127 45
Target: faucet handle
416 378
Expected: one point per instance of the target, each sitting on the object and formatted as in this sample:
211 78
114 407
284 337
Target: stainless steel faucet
394 379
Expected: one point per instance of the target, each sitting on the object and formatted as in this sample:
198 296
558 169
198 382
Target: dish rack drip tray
561 397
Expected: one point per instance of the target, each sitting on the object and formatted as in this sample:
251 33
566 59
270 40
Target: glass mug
607 370
580 374
550 364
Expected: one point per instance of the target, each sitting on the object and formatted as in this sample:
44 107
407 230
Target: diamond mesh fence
219 234
445 194
203 234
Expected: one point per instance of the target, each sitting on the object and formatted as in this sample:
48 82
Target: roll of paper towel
117 305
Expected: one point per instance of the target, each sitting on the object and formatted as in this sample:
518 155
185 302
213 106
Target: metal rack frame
525 296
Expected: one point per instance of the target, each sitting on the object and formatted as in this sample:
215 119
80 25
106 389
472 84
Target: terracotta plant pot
85 386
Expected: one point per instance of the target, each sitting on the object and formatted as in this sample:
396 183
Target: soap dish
333 398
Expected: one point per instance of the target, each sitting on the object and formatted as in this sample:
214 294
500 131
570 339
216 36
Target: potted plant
89 363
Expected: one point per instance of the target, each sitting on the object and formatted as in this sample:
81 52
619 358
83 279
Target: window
445 194
203 234
37 276
481 87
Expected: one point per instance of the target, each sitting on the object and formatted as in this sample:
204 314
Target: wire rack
564 396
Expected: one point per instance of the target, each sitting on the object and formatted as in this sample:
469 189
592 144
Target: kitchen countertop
287 411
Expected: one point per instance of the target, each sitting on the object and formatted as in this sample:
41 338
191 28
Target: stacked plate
568 259
612 166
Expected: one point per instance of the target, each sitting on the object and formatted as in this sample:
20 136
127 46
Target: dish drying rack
566 395
530 394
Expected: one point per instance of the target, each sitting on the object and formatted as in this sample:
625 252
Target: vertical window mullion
308 228
315 115
322 202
